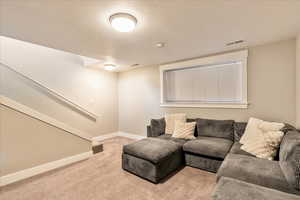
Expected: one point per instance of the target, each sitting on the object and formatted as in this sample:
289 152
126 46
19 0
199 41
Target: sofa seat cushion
168 137
208 146
233 189
236 149
254 170
154 150
202 162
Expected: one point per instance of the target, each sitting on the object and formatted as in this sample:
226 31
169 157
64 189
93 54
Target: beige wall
27 142
271 91
298 81
96 90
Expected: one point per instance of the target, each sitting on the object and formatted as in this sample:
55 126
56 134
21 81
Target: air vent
134 65
235 42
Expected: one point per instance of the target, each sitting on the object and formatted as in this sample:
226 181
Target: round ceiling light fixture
160 44
123 22
110 67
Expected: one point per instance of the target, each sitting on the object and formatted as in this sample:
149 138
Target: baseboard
106 136
120 133
130 135
20 175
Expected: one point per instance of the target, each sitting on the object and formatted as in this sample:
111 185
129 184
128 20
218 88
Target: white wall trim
237 56
130 135
20 175
120 133
225 57
207 105
42 117
106 136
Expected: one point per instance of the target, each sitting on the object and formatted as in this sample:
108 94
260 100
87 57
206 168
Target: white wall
95 90
298 81
271 91
27 142
127 101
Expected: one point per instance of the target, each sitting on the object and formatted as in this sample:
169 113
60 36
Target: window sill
207 105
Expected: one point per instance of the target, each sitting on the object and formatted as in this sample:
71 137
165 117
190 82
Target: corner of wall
298 81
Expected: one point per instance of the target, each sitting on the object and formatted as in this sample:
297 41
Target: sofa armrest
156 127
149 132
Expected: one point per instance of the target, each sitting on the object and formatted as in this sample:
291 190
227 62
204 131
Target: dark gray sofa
217 149
282 174
209 149
232 189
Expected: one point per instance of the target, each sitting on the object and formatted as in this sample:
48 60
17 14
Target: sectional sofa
217 149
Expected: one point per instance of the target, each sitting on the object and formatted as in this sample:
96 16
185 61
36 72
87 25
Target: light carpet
102 178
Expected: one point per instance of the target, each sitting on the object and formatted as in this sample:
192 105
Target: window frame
238 56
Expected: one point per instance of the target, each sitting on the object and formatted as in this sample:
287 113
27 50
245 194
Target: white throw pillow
263 138
252 131
266 147
270 126
184 130
170 121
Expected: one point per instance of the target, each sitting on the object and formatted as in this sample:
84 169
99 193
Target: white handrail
42 117
55 94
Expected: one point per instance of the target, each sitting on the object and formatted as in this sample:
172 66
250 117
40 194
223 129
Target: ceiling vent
235 42
134 65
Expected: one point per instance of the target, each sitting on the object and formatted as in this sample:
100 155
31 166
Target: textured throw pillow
184 130
252 131
193 120
265 147
170 121
264 138
270 126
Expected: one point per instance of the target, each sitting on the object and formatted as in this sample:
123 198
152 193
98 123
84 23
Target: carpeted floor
101 178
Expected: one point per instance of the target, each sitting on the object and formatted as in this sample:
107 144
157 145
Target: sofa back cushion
239 129
289 158
157 127
215 128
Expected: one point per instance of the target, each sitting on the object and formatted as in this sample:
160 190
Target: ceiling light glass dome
123 22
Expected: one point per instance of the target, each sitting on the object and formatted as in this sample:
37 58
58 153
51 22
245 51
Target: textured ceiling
190 28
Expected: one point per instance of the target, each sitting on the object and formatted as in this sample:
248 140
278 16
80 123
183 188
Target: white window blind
213 83
217 81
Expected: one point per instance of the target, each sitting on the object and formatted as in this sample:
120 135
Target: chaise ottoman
152 158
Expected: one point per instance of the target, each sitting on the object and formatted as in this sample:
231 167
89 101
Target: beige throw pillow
266 147
265 141
184 130
270 126
170 121
252 132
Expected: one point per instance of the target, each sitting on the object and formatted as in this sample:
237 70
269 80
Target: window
217 81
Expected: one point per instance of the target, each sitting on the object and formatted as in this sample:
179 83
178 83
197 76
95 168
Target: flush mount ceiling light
160 45
110 67
123 22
